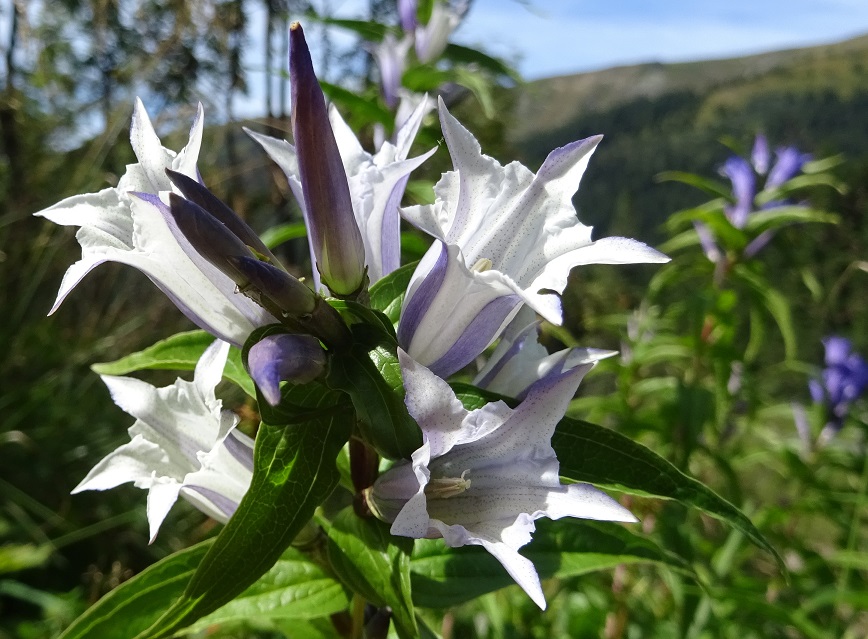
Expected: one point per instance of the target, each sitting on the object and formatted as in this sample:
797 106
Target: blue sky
555 37
558 37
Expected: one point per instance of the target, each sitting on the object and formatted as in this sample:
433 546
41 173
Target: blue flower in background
842 381
745 176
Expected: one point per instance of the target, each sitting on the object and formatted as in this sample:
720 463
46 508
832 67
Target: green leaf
179 352
15 557
138 602
294 588
363 108
784 215
370 374
387 295
603 457
277 235
294 472
712 187
374 564
774 302
367 29
466 55
444 576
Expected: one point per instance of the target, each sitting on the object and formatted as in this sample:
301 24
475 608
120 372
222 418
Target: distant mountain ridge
658 117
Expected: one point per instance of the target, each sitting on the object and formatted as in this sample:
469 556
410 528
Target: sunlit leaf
374 564
180 352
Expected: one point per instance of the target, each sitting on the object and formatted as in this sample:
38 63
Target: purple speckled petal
407 15
221 503
838 349
241 448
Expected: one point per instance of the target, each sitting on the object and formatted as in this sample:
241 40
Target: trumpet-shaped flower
503 229
376 183
334 237
182 444
117 226
483 477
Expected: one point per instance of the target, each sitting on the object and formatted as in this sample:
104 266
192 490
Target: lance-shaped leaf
374 564
294 472
334 235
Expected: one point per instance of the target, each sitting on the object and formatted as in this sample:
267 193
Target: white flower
482 477
508 226
119 227
182 444
376 182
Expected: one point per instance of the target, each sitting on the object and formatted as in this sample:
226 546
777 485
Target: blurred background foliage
708 372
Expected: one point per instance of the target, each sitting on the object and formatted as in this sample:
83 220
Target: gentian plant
369 439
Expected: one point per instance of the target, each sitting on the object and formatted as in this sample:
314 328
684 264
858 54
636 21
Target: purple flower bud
209 237
199 194
274 287
292 301
407 15
335 237
291 358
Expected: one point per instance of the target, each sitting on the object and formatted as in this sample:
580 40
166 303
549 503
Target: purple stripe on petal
420 302
240 451
513 350
390 232
477 336
220 502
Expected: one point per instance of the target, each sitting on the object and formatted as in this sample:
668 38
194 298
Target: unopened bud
298 359
335 236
